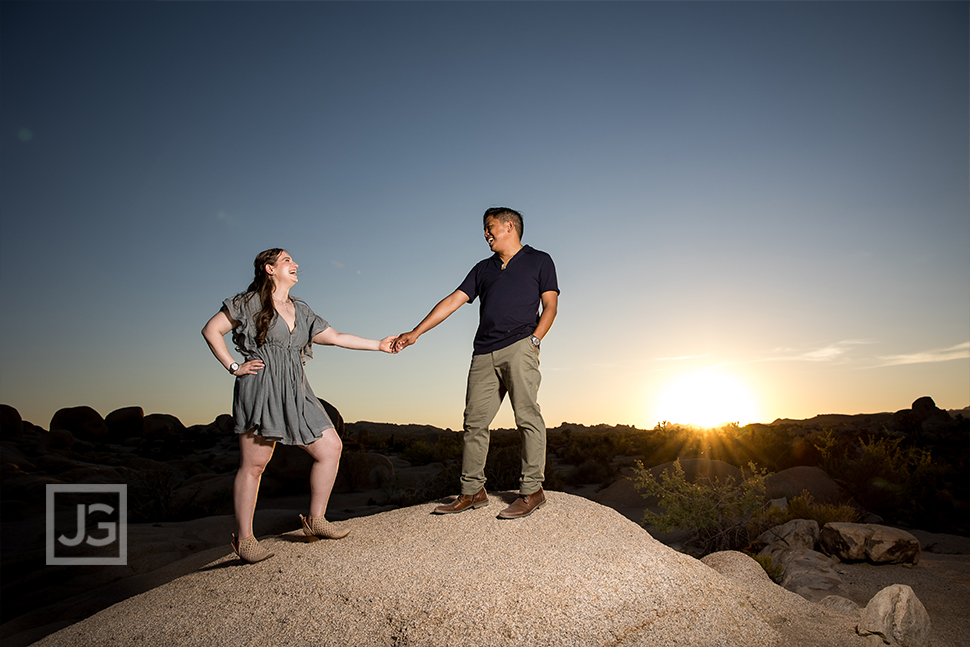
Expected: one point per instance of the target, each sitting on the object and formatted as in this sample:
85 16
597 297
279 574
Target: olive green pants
513 370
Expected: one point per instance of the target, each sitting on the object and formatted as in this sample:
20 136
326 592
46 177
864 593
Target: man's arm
439 313
550 303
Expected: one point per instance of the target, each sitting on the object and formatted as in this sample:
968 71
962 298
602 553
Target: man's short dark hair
504 214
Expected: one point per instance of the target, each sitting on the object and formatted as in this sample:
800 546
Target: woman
272 400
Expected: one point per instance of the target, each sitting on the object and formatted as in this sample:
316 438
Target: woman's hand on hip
251 367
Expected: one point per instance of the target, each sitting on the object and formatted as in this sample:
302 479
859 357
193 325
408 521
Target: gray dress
277 402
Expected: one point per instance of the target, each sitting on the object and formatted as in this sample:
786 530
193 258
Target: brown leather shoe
464 502
525 505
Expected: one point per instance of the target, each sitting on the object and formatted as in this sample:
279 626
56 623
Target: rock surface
574 573
872 542
808 572
792 482
896 617
797 533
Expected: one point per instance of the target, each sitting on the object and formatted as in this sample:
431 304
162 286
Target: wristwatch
233 367
535 340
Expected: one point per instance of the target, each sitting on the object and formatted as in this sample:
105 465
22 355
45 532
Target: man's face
498 233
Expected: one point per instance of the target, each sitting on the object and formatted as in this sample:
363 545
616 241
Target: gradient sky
773 195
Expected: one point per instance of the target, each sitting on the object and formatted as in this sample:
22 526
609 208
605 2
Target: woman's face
284 271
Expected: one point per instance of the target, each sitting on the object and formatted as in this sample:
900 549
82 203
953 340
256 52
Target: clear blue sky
772 193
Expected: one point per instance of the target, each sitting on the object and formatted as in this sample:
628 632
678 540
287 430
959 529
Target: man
511 284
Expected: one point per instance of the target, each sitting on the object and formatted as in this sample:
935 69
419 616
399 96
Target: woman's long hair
262 285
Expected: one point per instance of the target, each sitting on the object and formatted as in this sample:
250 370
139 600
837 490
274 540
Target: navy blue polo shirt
510 298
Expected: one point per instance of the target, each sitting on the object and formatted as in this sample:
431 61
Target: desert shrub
553 480
503 467
805 507
579 449
421 452
773 569
880 472
153 497
592 471
719 513
445 483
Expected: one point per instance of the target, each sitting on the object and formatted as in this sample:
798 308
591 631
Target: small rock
897 617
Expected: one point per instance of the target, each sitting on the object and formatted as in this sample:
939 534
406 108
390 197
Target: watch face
233 367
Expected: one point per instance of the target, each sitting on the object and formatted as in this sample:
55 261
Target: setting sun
707 399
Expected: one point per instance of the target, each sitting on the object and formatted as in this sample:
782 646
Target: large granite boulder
162 426
930 416
869 542
83 422
797 533
895 617
808 572
11 424
924 418
125 423
793 481
57 439
363 471
574 573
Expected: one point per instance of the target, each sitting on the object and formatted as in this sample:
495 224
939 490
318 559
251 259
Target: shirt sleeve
547 276
470 285
239 308
316 324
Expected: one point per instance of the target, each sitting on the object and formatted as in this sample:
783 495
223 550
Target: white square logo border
121 489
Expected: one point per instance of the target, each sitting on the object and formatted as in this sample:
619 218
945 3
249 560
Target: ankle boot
321 528
249 549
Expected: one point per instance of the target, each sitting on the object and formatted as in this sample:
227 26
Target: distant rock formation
923 419
793 481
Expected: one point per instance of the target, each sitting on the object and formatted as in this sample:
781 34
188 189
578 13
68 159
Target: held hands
387 345
404 340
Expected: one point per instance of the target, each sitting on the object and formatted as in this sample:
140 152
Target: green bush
719 513
805 507
592 471
773 569
443 449
503 467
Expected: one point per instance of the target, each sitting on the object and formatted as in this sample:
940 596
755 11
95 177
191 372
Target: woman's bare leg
326 456
255 454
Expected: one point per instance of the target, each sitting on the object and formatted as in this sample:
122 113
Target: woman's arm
214 332
331 337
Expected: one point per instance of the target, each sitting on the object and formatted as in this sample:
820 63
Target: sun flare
707 399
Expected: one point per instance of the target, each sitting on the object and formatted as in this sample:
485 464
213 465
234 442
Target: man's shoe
464 502
525 505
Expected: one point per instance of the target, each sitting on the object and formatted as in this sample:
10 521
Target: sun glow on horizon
707 399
